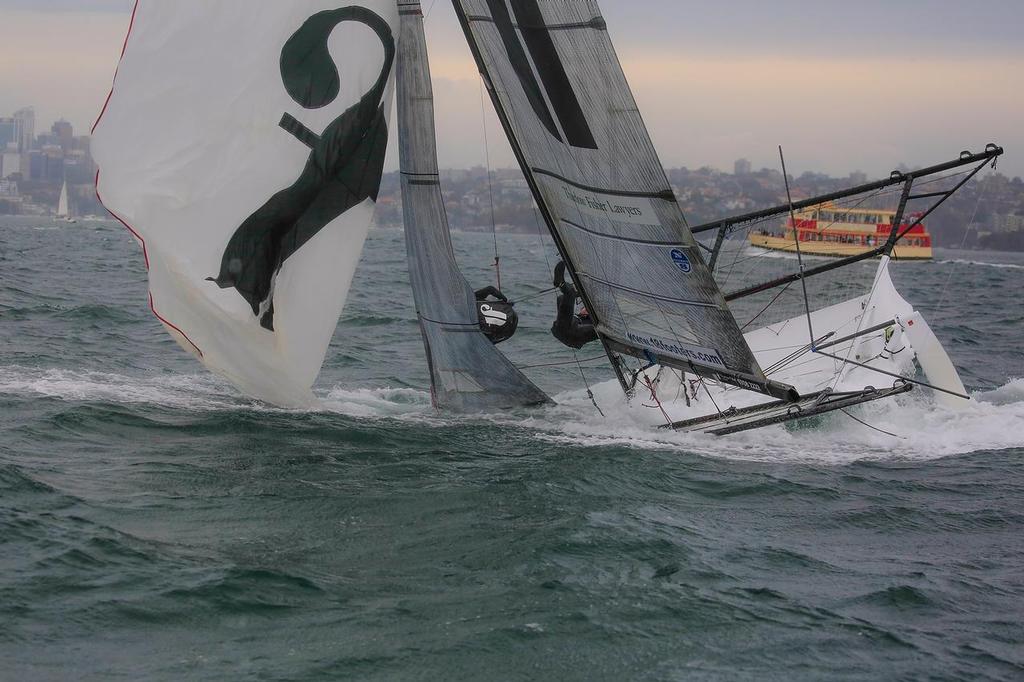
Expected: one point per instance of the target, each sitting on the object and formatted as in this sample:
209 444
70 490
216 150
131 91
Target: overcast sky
842 85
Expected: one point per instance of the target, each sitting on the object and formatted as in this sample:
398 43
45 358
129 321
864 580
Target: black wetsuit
569 328
483 294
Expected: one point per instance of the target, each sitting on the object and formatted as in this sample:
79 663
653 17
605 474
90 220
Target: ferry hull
836 249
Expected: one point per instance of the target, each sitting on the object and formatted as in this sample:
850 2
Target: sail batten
467 372
580 140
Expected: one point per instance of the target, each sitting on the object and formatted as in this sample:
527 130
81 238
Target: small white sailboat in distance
63 213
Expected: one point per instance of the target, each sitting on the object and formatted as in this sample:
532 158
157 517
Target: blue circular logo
681 261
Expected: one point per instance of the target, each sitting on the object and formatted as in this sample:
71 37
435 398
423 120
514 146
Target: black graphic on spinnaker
344 167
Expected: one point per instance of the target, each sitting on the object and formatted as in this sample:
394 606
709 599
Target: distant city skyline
842 88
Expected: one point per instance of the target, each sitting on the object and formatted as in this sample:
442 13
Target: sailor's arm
482 294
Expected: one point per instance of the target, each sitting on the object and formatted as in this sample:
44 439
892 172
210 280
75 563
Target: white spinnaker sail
243 146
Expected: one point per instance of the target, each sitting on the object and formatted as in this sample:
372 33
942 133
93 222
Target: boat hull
883 360
836 249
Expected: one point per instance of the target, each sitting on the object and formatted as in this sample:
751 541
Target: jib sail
467 372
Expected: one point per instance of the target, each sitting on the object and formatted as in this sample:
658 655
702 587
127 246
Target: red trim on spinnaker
145 253
124 48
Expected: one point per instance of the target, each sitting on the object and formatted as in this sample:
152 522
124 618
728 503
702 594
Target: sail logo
494 318
620 209
695 354
682 261
344 166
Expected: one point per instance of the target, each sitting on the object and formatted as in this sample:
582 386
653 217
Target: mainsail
467 372
62 203
244 150
566 106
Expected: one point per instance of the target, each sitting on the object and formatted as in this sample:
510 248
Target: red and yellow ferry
830 230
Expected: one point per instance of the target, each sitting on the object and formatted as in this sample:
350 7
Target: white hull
910 344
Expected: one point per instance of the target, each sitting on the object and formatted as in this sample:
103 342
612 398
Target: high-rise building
27 129
64 134
53 163
741 167
8 132
10 162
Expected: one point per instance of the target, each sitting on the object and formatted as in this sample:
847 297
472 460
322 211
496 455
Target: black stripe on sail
521 65
556 82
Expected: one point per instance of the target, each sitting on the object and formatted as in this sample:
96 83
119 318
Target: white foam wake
170 390
194 392
964 261
993 420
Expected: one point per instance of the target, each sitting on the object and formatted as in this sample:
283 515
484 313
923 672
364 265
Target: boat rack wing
735 419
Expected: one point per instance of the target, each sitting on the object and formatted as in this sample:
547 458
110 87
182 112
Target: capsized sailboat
647 282
245 157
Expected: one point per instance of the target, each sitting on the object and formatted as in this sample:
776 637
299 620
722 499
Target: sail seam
598 23
647 294
666 194
617 237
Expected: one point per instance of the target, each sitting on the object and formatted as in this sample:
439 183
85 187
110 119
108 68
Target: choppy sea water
154 525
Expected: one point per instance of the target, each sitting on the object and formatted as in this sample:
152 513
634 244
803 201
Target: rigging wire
490 185
872 427
799 254
533 296
590 394
540 238
563 363
765 309
654 396
963 243
713 401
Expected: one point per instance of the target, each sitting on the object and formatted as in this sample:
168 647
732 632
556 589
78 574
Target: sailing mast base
735 420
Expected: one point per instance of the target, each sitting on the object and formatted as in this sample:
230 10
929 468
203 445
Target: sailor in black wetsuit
498 318
572 329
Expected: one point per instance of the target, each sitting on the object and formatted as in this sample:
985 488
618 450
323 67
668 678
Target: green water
154 525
